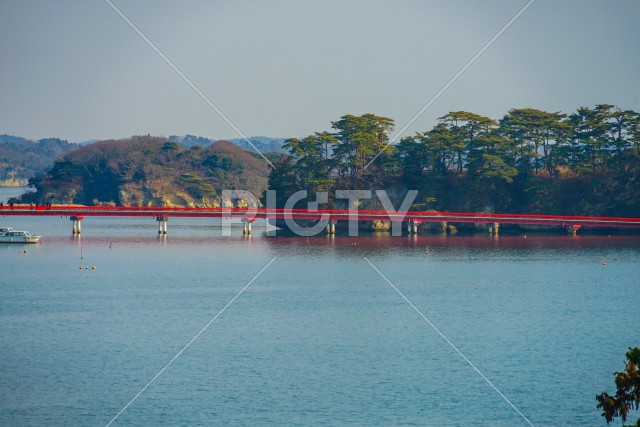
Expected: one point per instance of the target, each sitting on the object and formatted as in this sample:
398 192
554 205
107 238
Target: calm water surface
319 338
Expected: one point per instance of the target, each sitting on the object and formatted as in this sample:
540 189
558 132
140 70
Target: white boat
12 236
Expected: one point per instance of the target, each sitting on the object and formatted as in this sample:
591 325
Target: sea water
319 337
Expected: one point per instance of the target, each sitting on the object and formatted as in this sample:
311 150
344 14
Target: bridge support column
329 227
572 230
333 226
246 226
77 223
415 227
162 224
494 229
409 227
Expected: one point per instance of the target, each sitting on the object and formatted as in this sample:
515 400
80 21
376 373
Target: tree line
584 163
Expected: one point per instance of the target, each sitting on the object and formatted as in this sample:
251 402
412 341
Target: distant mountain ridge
22 158
264 144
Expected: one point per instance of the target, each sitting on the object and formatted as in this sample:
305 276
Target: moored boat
12 236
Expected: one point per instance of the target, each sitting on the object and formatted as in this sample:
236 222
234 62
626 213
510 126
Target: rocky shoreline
14 182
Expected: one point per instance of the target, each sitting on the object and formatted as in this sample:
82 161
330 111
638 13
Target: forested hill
21 158
529 161
149 171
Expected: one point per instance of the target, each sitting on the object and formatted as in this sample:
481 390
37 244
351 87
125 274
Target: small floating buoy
80 267
604 263
94 267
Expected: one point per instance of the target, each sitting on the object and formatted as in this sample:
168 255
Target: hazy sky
74 69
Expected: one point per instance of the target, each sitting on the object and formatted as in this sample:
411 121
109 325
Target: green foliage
228 164
358 140
325 161
170 146
531 160
627 397
196 186
67 168
533 136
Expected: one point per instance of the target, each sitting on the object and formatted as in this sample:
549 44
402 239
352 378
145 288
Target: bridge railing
339 214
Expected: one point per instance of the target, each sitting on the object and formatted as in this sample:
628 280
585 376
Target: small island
528 161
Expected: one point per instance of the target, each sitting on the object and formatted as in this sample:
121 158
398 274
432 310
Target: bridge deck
340 215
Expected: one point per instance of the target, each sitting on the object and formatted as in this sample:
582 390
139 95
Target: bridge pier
494 229
572 230
162 224
77 223
412 227
443 227
246 226
331 227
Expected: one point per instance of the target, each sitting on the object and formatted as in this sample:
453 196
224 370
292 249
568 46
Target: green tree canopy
627 397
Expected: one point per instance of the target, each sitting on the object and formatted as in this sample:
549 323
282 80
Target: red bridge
250 214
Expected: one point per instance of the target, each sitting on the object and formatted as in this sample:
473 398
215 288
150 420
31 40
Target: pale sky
75 69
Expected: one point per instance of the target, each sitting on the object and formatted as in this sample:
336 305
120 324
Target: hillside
21 158
149 171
